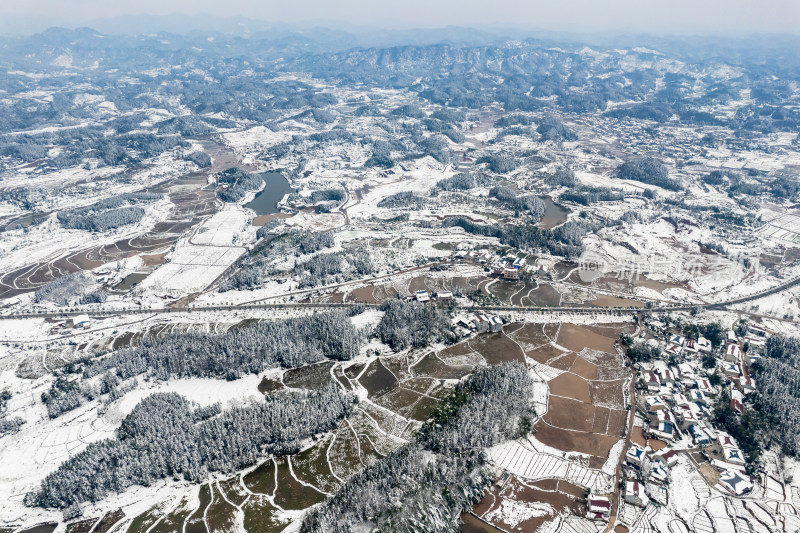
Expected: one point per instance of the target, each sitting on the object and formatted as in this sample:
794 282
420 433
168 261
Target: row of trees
334 267
166 436
778 398
564 240
107 214
237 183
590 195
286 342
426 484
648 170
534 205
414 325
67 290
8 425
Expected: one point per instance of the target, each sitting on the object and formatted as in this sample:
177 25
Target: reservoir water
266 201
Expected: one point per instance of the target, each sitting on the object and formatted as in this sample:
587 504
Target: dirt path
632 417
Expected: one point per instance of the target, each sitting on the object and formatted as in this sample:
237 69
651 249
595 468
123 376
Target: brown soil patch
637 436
470 524
619 528
576 338
496 348
584 368
617 422
657 444
430 365
417 284
154 260
364 295
549 352
589 443
462 348
563 362
600 423
570 386
543 296
260 220
607 393
572 490
545 484
569 414
528 335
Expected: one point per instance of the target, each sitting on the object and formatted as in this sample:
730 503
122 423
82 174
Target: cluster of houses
466 325
676 406
425 296
507 267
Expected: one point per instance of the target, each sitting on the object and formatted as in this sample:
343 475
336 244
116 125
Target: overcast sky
652 16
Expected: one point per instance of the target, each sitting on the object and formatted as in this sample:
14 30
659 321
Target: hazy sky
655 16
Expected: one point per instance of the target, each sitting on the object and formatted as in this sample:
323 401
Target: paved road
492 308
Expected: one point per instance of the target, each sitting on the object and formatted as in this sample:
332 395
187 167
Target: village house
704 345
733 353
685 370
735 483
651 381
634 494
599 508
680 400
422 296
666 456
654 404
703 385
737 401
698 397
634 456
699 437
480 323
658 474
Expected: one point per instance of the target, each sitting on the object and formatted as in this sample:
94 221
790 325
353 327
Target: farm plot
192 268
519 506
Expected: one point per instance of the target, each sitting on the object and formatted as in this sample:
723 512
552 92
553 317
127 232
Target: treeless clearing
576 338
657 444
617 422
543 296
260 220
496 348
364 295
584 368
601 358
564 361
397 365
545 484
549 352
601 415
377 379
637 436
311 377
608 393
529 336
570 386
430 365
569 414
575 441
154 260
417 284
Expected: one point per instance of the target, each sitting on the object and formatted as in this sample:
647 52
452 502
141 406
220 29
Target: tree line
426 484
166 436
